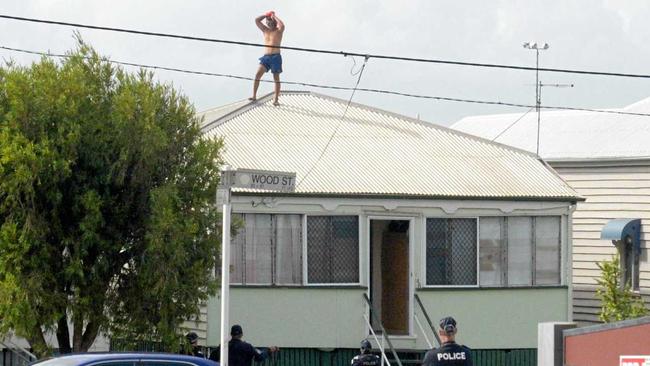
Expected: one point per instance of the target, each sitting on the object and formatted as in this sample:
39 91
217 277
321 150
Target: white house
606 158
394 209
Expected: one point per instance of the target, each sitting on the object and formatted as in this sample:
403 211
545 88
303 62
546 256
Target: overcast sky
606 35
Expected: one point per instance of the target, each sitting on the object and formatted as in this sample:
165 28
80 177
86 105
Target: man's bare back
272 60
272 38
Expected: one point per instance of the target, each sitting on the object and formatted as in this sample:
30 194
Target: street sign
634 361
260 179
241 178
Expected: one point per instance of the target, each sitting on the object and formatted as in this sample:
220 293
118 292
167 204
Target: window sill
486 288
302 287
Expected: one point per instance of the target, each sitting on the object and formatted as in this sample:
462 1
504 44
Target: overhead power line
356 86
341 53
333 87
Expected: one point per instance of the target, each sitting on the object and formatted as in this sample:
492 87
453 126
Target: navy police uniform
451 353
240 353
194 349
366 360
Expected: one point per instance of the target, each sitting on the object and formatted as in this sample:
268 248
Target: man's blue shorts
272 62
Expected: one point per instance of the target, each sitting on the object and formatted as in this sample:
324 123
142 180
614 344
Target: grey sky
596 35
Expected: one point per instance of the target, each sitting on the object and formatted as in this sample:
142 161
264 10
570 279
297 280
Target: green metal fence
342 356
310 357
497 357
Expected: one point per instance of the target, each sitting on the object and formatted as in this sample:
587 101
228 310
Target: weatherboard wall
199 324
612 191
332 316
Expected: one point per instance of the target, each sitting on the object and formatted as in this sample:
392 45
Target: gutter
599 162
572 199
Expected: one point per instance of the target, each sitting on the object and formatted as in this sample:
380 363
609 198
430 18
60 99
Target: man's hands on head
273 349
269 16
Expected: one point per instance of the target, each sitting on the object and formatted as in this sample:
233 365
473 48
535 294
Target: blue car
126 359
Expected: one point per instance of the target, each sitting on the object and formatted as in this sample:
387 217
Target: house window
267 250
493 254
451 252
520 251
332 249
629 264
547 250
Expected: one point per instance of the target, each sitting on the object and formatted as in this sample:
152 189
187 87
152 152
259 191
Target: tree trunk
38 343
89 336
77 335
63 335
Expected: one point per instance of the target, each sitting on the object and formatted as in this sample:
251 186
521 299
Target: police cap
448 324
236 330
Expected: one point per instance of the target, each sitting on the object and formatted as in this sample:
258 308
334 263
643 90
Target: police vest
449 354
366 360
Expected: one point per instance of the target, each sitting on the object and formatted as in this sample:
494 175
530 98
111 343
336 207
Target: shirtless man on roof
272 60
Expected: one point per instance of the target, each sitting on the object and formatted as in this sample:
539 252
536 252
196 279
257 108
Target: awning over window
620 229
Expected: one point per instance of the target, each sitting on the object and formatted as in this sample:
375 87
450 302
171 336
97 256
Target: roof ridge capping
207 126
428 124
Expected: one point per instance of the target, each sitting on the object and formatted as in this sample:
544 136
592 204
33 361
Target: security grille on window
267 250
332 249
451 252
520 251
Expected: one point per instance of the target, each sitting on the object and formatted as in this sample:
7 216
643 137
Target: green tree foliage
107 217
618 300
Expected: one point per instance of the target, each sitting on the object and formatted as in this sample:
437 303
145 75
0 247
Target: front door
389 275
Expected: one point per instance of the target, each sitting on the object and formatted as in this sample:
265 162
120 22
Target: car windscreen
64 361
90 361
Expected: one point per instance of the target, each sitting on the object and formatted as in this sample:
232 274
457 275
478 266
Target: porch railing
373 314
428 319
380 344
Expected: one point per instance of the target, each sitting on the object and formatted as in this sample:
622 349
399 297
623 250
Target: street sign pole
249 179
225 264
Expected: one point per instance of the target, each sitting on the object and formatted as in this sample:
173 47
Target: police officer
450 352
194 348
365 358
241 353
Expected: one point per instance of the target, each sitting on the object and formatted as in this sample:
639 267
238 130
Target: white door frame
411 276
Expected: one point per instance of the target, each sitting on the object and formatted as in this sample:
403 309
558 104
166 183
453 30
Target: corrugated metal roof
566 135
219 112
374 152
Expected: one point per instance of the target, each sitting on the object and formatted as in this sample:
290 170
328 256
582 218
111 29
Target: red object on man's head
270 13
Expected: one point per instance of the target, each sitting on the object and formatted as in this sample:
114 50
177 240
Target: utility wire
342 53
338 125
354 65
512 124
363 67
333 87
